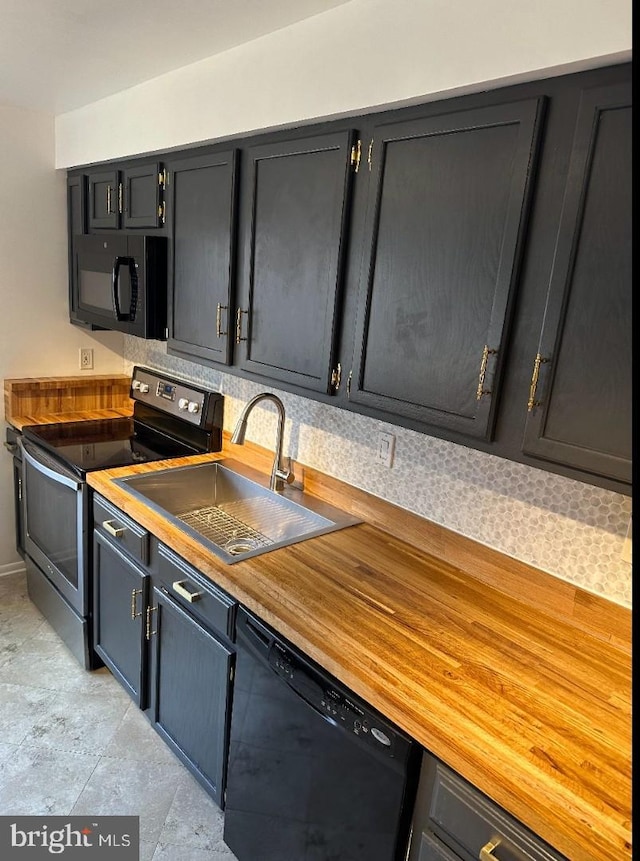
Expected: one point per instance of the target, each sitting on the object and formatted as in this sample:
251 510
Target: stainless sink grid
246 524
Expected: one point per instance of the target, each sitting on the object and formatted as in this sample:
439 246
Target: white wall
363 54
36 338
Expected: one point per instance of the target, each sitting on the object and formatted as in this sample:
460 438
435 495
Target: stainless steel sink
235 516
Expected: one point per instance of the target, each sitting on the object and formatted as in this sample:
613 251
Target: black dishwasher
314 773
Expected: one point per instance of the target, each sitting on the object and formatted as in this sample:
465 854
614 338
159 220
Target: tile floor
73 742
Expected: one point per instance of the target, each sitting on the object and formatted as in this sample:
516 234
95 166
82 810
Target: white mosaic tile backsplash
569 529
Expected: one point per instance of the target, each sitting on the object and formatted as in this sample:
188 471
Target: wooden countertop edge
25 384
576 821
21 422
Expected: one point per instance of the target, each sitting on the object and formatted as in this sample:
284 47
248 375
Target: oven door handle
55 472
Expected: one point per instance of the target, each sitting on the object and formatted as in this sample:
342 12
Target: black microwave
120 282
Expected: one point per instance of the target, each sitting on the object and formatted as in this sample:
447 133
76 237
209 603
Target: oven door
56 520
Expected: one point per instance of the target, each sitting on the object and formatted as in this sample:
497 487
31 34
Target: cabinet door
298 198
142 203
190 684
76 224
104 199
201 214
447 206
580 403
120 591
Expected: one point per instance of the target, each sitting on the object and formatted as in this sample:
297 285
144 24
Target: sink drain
236 546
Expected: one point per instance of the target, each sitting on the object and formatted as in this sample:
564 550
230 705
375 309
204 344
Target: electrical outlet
86 358
386 448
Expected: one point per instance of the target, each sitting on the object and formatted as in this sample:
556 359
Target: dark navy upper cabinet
580 399
202 227
130 198
446 213
296 197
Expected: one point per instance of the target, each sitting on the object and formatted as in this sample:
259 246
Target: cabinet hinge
356 153
336 375
349 384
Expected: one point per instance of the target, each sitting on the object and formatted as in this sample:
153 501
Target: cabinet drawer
195 593
121 530
464 819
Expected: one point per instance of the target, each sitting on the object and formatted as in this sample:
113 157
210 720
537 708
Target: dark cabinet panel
104 199
119 601
130 198
447 206
190 685
76 224
142 203
202 222
580 405
297 193
453 820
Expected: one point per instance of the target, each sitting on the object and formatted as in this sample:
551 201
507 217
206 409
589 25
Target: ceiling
57 55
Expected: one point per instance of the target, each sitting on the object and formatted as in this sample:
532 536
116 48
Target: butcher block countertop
520 683
44 400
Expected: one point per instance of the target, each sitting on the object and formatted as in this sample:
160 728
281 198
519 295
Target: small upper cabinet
580 401
296 196
446 211
130 198
202 226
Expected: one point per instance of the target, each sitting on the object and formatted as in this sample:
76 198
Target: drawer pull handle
116 531
486 853
134 614
148 632
180 588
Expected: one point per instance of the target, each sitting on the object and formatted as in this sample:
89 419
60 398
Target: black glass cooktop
104 443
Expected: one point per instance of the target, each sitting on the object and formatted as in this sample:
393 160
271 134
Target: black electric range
170 419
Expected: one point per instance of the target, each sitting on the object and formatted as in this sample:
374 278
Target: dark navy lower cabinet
164 630
453 821
191 674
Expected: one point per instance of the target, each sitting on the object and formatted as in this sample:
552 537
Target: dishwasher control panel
331 701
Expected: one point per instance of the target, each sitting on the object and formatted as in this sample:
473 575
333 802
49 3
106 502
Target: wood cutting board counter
45 400
532 711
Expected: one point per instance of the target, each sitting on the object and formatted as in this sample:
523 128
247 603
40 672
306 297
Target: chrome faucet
279 474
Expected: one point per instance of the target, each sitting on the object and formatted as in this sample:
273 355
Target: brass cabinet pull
483 370
219 309
239 314
356 153
116 531
109 200
180 588
134 593
120 197
370 155
532 402
486 853
148 632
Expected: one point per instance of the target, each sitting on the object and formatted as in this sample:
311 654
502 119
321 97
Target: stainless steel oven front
56 523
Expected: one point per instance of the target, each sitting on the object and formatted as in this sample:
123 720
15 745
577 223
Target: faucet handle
283 475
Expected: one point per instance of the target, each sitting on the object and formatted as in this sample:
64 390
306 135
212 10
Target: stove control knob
183 403
135 385
194 407
144 388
